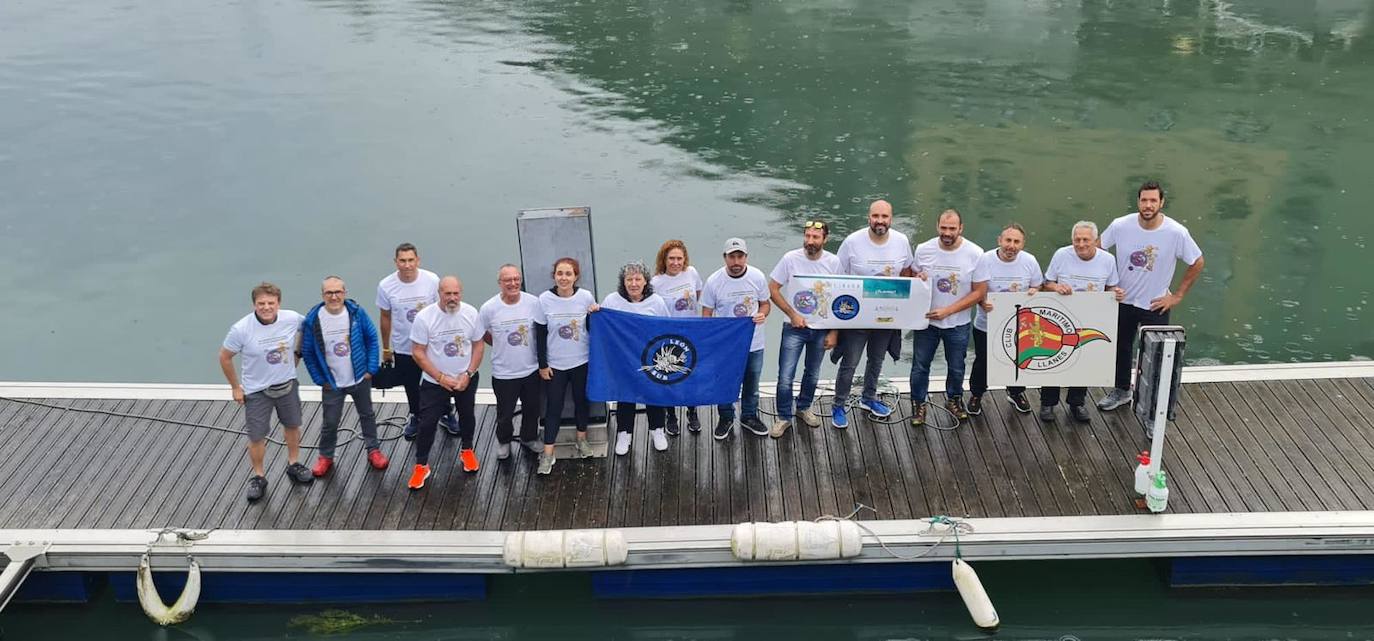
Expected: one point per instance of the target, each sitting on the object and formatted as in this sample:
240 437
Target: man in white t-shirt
947 262
1080 267
1147 245
446 341
400 296
1009 268
877 250
739 289
510 317
267 341
810 259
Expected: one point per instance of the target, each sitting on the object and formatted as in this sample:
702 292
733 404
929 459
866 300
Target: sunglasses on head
813 224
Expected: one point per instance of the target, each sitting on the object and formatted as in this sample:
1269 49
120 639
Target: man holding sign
1009 268
1080 267
810 259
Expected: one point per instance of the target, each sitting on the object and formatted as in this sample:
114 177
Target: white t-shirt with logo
795 262
738 297
1097 274
267 352
404 301
1145 259
337 348
448 338
567 322
511 327
652 305
1019 275
950 274
679 292
858 255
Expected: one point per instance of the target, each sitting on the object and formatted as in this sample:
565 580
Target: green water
157 159
1044 601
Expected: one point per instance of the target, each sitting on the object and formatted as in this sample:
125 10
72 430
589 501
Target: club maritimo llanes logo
1042 338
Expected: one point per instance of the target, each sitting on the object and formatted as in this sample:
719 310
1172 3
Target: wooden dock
1243 442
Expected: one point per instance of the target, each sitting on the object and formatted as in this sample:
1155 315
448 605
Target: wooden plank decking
1251 446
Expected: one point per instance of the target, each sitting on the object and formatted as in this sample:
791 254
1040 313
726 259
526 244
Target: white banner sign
1047 340
860 302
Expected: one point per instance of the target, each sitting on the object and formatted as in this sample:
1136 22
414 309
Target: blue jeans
955 340
793 342
749 395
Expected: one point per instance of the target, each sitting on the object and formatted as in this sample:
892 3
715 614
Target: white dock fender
796 541
975 597
565 549
152 603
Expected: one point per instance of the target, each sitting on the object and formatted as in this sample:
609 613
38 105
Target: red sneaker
469 459
322 465
417 478
377 459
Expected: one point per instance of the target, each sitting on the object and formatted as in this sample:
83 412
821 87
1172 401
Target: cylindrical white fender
152 601
565 549
975 597
796 541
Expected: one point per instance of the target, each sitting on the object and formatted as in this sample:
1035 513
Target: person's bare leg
256 453
293 444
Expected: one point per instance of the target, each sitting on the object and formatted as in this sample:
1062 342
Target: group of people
432 342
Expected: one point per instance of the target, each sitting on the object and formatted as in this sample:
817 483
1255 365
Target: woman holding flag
562 348
636 295
679 284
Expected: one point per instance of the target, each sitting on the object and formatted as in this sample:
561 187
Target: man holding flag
741 291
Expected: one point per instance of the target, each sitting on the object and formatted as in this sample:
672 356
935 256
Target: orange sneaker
469 459
322 465
377 459
417 478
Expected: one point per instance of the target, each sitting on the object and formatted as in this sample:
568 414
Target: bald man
876 251
446 342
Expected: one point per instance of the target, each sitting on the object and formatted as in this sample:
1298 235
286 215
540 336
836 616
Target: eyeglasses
334 292
814 224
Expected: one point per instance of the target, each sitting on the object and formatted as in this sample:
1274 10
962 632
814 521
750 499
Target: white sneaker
809 418
660 439
622 443
503 451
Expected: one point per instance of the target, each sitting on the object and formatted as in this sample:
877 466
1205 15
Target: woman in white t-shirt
563 352
679 284
636 295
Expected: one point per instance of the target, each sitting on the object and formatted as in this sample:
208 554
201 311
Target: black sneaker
450 424
753 424
300 473
1019 402
412 427
257 487
1079 413
1047 414
672 427
723 428
975 405
693 422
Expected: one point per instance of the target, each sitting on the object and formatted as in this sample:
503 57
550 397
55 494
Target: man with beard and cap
266 339
810 259
446 341
947 262
1008 268
739 289
1080 267
510 317
877 250
1148 244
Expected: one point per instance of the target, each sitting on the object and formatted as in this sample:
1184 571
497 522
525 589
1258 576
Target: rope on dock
397 422
953 527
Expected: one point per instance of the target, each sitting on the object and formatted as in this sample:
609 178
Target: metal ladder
22 557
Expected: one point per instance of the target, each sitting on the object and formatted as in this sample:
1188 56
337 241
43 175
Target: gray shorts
257 412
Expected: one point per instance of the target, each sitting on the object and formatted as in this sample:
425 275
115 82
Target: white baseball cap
736 245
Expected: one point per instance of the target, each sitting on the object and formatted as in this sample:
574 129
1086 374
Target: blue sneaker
450 423
876 407
412 428
838 418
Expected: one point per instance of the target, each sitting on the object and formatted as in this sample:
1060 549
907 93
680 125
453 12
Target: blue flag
671 362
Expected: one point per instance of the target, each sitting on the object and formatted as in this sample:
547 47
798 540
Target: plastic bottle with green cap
1157 499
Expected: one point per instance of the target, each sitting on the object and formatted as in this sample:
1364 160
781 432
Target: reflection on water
158 160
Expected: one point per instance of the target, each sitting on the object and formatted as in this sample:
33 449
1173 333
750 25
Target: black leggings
625 416
553 401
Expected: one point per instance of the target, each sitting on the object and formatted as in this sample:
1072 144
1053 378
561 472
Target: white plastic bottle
1142 473
1157 499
